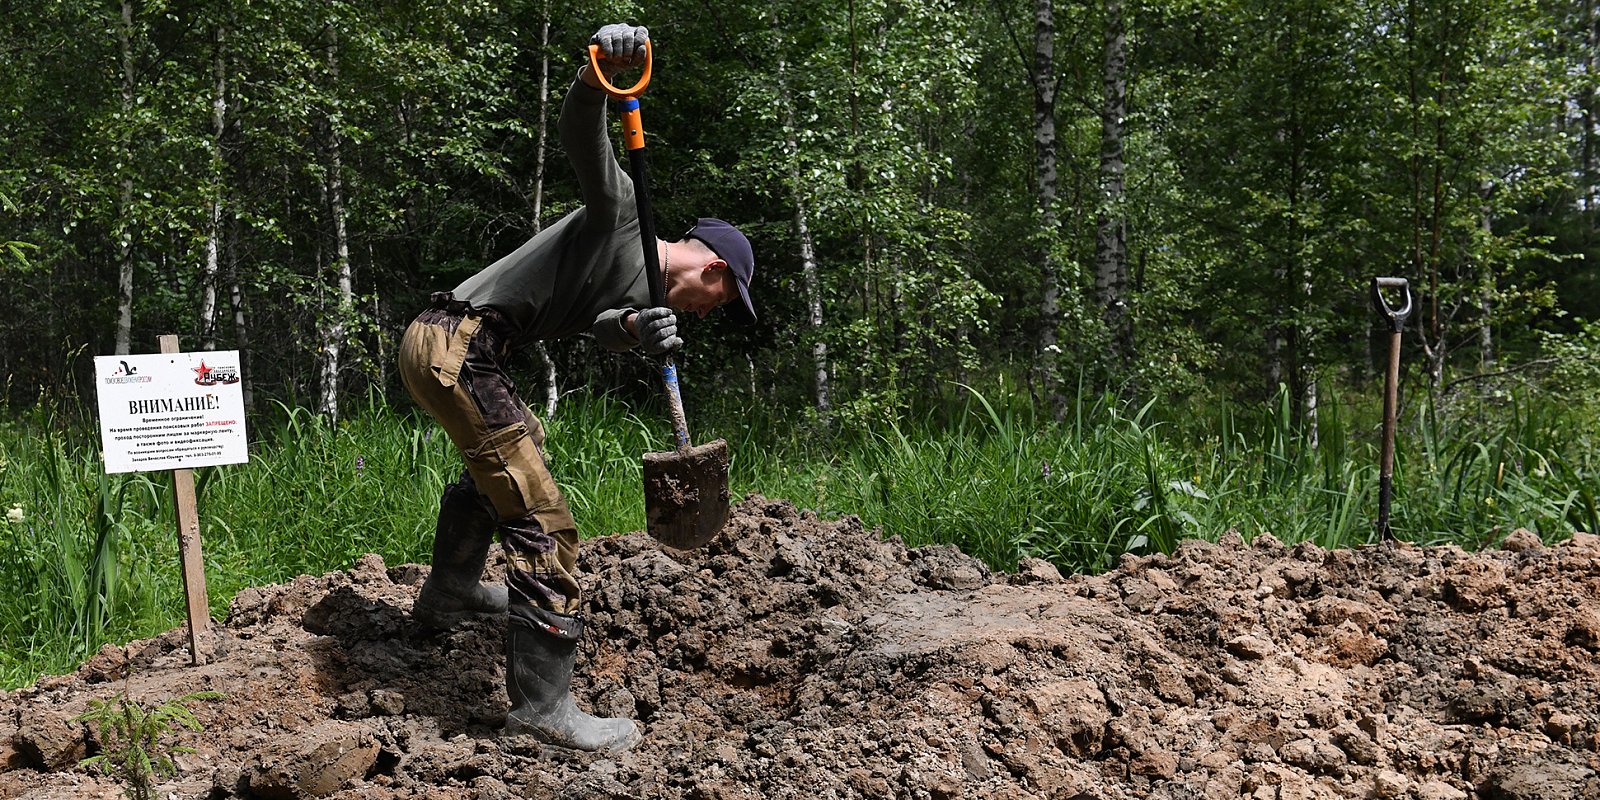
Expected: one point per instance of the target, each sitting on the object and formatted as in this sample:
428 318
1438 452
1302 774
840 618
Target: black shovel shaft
639 169
1391 397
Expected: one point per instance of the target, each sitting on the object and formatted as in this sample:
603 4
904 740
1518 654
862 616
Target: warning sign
170 410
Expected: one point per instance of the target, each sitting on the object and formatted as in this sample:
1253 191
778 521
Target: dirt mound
799 658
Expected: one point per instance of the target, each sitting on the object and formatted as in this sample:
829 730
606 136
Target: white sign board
163 411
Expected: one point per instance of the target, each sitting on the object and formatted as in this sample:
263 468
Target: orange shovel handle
630 93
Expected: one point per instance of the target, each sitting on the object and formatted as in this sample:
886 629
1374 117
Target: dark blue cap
731 246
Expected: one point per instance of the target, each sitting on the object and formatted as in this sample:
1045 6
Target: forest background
1035 278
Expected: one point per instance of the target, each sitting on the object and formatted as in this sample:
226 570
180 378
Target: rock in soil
800 658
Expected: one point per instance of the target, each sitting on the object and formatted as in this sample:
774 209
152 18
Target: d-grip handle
629 93
1396 317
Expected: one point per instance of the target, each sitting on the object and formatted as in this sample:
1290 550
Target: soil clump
795 657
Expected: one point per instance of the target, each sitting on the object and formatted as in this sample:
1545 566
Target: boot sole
627 743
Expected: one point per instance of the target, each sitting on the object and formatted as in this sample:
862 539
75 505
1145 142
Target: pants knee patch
509 470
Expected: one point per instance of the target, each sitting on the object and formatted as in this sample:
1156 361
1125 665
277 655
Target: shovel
1397 325
686 489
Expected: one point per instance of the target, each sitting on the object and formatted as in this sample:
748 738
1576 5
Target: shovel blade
686 495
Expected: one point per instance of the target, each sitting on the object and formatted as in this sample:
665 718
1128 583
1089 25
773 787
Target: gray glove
658 330
621 45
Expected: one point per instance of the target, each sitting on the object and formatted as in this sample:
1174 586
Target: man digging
586 272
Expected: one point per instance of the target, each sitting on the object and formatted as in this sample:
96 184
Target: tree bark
334 330
1111 253
241 331
544 114
1308 401
1437 349
552 390
1049 228
219 119
813 281
1486 285
124 227
1586 104
809 271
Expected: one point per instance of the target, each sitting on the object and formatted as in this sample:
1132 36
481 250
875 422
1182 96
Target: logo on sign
127 374
212 376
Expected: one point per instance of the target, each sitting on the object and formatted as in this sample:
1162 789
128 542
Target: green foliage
13 255
1576 360
1277 156
131 736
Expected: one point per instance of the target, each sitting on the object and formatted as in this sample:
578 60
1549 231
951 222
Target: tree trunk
552 391
1586 106
241 331
219 118
1280 296
1049 228
1111 254
1486 285
124 227
1307 360
544 114
377 314
1437 348
334 330
809 270
813 281
1277 339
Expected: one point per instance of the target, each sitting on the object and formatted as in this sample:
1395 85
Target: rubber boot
539 680
453 592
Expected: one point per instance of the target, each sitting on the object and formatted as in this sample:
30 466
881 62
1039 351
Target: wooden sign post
194 569
175 411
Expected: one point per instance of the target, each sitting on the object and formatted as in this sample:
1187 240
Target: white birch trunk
552 390
1044 155
802 225
219 118
1309 398
544 116
124 227
1111 247
335 331
1586 105
1486 284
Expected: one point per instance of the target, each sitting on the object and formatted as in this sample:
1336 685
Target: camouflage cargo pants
451 362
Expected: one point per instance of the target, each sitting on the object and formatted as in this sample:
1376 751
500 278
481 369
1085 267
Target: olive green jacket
586 271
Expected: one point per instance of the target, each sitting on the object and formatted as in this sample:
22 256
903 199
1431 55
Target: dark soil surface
800 658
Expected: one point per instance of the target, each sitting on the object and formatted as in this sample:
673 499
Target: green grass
93 558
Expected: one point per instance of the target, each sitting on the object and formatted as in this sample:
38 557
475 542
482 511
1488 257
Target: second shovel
1396 318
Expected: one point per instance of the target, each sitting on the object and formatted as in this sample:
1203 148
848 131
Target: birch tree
809 269
1111 251
334 322
1044 83
124 230
217 174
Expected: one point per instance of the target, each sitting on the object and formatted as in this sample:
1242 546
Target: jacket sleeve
609 331
606 188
